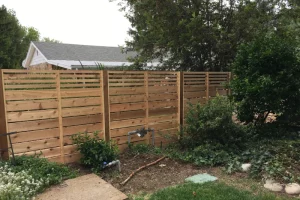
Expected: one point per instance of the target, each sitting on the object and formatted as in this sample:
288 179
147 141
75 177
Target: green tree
199 34
266 79
14 39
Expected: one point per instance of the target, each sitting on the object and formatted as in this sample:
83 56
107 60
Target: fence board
47 107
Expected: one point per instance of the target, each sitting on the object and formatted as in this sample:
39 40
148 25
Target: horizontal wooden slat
30 81
125 84
156 89
79 80
28 75
126 90
162 104
31 86
194 88
30 94
86 92
127 115
162 118
35 135
32 125
78 120
127 98
31 115
194 94
86 101
156 97
127 123
127 107
36 145
31 105
89 110
70 130
162 111
164 125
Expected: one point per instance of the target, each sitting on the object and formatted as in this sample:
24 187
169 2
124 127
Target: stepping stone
201 178
87 187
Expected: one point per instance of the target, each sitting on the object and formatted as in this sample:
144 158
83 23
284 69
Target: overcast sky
90 22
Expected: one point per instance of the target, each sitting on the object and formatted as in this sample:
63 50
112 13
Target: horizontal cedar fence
46 108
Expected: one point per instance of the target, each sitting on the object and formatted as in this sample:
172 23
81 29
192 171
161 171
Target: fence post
3 121
228 81
181 100
106 105
146 85
207 86
59 108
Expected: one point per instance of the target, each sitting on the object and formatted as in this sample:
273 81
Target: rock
246 167
275 187
270 181
293 188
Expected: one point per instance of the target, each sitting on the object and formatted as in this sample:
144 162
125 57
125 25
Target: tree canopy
14 39
266 79
201 35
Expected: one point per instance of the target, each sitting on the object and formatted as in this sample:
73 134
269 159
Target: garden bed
173 173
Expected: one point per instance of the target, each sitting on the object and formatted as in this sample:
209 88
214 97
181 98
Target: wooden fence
46 107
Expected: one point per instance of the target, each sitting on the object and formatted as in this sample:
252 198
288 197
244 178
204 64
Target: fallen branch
139 169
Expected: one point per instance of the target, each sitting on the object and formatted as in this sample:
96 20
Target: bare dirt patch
166 173
172 173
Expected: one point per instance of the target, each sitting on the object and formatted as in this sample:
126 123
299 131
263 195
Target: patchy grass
207 191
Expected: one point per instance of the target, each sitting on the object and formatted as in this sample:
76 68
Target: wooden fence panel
127 98
81 107
31 102
199 87
46 108
164 107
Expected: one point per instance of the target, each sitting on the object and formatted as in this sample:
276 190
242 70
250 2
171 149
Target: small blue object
104 163
201 178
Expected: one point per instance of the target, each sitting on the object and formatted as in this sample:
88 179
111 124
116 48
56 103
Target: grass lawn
207 191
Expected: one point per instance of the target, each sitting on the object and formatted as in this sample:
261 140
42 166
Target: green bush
211 123
41 168
95 151
278 159
266 79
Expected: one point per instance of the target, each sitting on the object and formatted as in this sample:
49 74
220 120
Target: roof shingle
60 51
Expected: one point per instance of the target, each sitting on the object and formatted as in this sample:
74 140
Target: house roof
60 51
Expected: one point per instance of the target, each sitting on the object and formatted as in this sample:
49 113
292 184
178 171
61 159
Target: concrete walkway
87 187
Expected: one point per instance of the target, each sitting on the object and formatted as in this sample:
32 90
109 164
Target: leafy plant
95 151
18 185
29 176
266 79
211 123
277 159
40 168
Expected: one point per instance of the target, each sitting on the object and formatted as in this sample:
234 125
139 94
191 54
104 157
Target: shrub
277 159
211 123
95 151
40 168
266 79
29 176
18 185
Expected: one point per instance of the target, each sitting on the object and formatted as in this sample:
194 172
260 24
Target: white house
48 55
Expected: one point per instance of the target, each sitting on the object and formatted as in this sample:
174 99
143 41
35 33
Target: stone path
87 187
